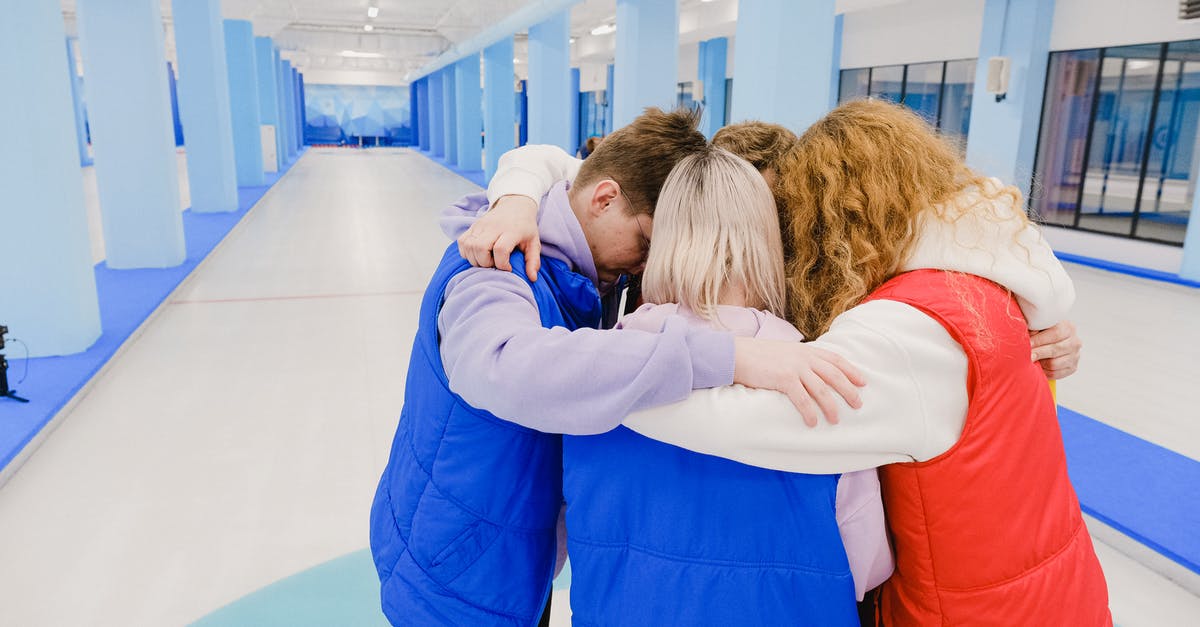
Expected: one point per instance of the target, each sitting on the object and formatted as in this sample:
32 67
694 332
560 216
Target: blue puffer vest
463 524
663 536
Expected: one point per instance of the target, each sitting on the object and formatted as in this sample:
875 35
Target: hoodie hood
997 244
561 234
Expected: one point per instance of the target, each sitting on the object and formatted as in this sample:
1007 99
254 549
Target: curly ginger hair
855 187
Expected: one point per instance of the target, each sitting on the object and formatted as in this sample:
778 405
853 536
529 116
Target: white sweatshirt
915 401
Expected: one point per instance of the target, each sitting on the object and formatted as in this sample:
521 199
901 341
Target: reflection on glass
887 82
923 89
1067 109
854 84
1119 135
1169 187
683 95
956 100
728 98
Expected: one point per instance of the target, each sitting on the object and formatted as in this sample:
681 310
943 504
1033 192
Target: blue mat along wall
127 298
341 114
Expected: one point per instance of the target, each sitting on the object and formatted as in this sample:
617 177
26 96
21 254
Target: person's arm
522 177
863 527
1057 349
498 357
913 410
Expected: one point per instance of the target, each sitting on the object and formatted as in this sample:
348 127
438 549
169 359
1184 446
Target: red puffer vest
989 532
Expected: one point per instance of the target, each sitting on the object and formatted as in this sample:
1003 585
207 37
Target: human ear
605 192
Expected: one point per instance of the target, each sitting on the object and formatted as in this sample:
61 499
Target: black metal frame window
940 91
1117 140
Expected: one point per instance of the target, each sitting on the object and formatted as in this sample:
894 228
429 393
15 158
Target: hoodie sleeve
531 171
914 404
498 357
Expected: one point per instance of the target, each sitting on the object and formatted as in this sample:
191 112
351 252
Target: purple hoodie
498 357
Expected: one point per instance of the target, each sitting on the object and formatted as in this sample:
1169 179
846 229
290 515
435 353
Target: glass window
923 89
887 82
1168 188
728 99
854 84
1120 131
957 93
1066 112
683 95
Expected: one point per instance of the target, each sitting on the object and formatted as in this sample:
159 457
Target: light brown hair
761 143
715 232
639 156
855 188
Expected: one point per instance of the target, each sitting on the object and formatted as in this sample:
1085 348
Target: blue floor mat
127 297
475 176
1147 492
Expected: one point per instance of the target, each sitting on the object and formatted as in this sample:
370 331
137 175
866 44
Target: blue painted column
500 112
713 53
769 31
469 100
48 298
77 97
243 102
297 90
303 107
423 116
647 57
1190 269
204 105
287 114
1003 135
449 115
437 133
608 100
129 110
835 67
549 83
268 98
576 140
172 83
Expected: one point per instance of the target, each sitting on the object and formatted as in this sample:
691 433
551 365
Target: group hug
764 380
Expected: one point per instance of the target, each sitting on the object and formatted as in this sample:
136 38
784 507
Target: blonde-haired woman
661 535
927 276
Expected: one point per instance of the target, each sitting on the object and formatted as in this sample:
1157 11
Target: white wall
593 76
912 32
1098 23
1117 249
352 77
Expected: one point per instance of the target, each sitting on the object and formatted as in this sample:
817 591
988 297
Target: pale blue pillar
713 54
800 34
499 134
303 107
608 100
574 91
129 109
77 98
268 97
549 84
449 115
243 102
1003 135
423 120
298 84
1191 244
287 114
437 134
647 57
47 285
469 125
835 67
204 105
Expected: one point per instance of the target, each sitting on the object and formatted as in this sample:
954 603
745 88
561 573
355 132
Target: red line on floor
297 297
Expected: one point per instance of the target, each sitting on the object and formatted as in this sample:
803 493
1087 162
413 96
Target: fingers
839 382
852 374
822 394
476 249
1057 333
1053 351
803 402
533 258
503 250
1060 367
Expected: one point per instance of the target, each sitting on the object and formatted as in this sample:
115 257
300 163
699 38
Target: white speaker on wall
997 77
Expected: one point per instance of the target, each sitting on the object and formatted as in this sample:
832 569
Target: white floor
239 439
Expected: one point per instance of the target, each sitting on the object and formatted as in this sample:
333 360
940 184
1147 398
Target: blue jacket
663 536
463 523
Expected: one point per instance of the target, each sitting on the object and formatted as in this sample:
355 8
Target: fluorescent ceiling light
368 27
1140 65
604 29
516 60
354 54
572 40
372 12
